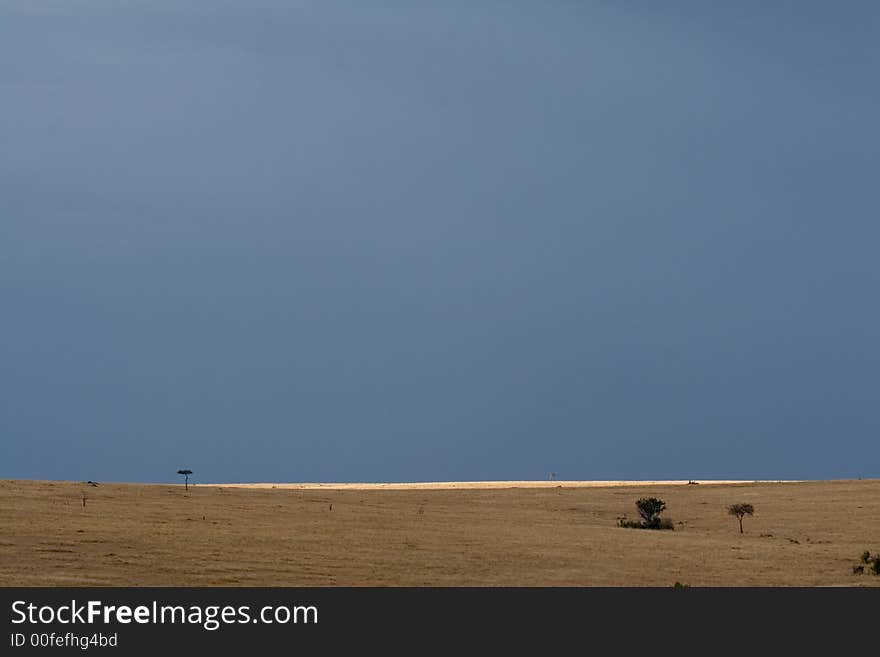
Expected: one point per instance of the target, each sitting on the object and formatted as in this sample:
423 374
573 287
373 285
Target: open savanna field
541 534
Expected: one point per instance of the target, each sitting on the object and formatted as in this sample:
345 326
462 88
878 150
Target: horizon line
451 485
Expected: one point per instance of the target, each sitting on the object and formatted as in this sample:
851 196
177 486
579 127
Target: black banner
131 621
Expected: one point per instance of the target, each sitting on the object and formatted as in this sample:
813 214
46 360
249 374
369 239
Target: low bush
872 562
632 524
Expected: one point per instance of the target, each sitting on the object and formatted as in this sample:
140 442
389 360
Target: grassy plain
541 534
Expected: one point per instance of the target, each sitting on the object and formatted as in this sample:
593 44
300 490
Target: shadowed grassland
803 534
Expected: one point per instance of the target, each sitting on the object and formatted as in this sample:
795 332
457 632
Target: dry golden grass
803 534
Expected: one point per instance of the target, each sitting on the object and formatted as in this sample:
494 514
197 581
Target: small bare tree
186 474
740 511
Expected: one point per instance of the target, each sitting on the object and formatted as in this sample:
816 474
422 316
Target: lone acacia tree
740 511
186 474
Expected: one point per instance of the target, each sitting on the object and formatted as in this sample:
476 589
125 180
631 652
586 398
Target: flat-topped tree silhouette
740 511
186 474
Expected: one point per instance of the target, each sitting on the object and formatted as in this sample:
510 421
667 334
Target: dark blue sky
354 241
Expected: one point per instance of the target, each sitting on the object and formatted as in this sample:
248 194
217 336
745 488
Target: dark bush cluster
660 523
649 509
869 562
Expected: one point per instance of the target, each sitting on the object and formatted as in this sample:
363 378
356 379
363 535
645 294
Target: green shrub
649 509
